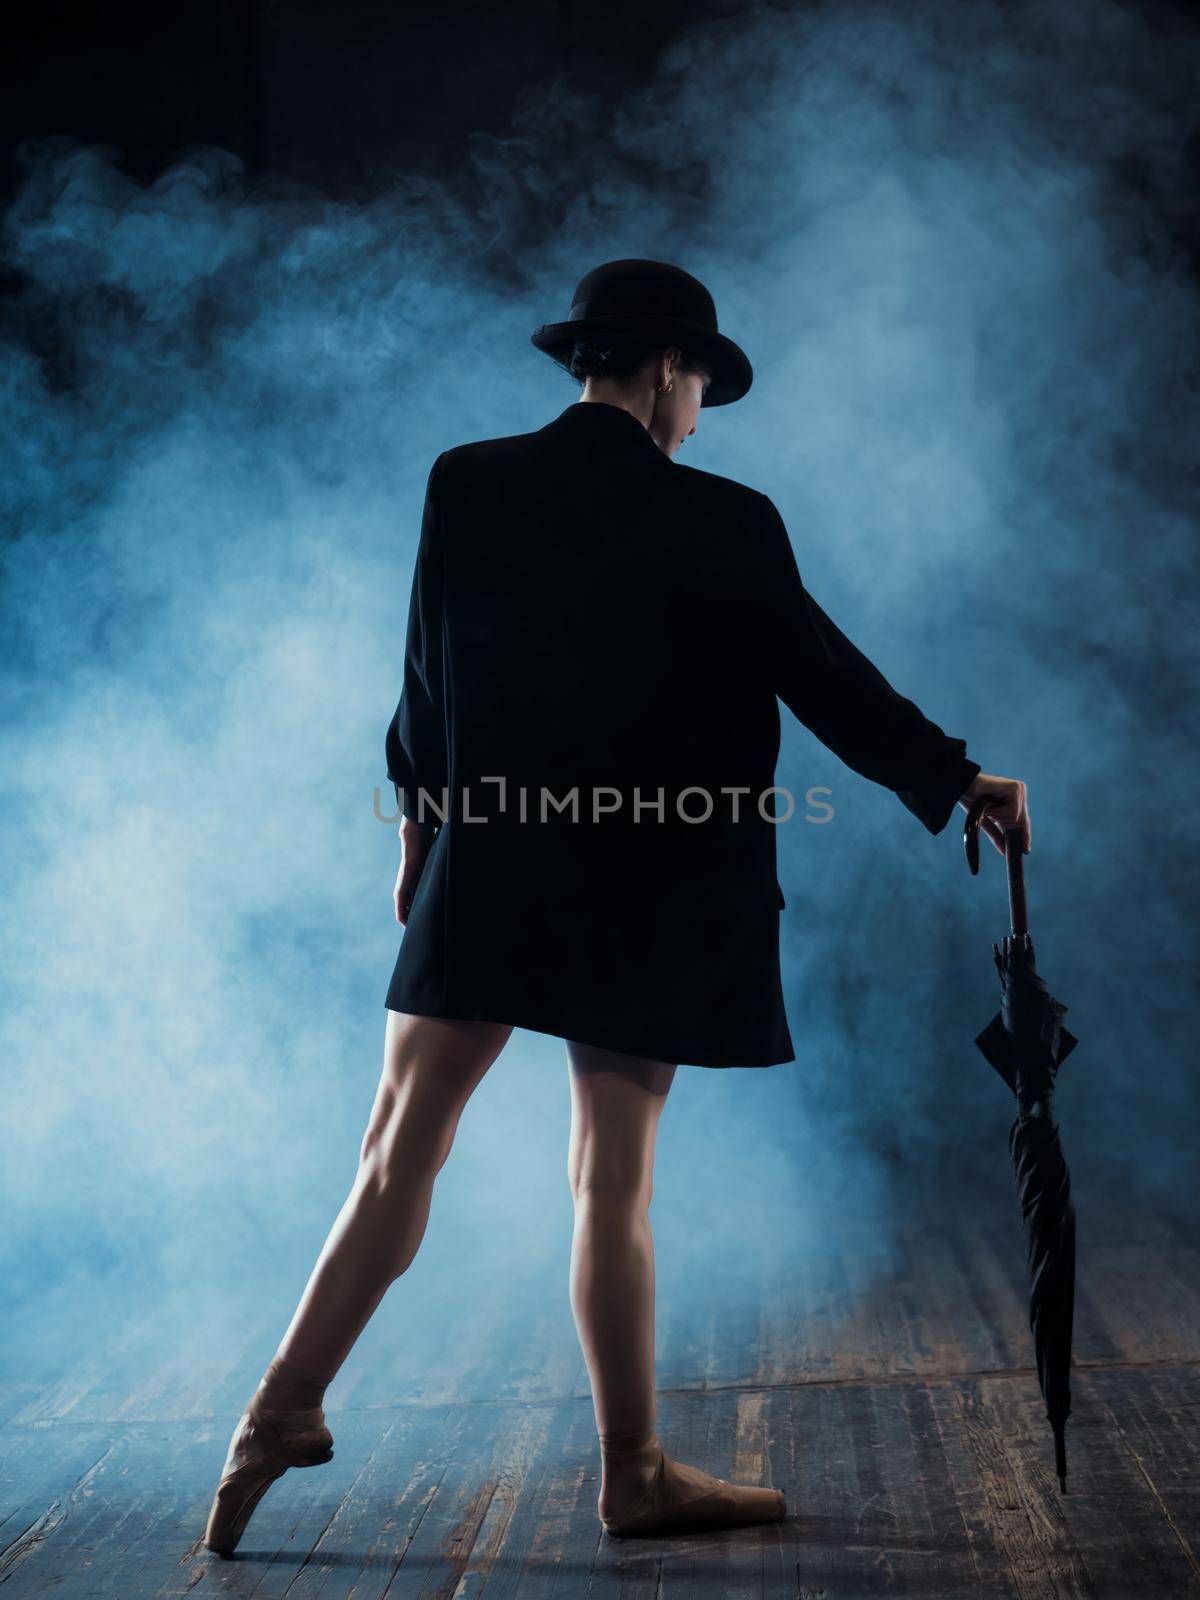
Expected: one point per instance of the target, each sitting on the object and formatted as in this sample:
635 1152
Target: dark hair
617 357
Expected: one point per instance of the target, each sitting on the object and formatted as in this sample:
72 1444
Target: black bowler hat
650 299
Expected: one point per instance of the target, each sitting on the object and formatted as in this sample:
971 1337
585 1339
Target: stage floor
892 1396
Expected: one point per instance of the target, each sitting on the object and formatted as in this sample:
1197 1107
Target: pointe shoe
258 1455
683 1499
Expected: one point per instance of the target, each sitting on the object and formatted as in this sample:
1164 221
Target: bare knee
431 1068
610 1163
397 1142
610 1158
411 1129
609 1192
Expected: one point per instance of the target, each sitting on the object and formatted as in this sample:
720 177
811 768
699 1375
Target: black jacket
590 617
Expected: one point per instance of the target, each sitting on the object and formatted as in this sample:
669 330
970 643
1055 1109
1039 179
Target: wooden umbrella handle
1013 852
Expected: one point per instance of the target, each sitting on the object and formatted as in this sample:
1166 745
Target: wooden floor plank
353 1532
887 1385
45 1476
1119 1462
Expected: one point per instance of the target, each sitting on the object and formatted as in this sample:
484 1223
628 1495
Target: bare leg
616 1103
431 1067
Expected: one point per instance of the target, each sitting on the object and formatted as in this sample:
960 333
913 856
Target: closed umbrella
1026 1043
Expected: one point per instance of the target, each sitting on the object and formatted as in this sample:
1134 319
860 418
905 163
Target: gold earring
667 390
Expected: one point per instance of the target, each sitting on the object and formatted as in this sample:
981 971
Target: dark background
329 96
337 97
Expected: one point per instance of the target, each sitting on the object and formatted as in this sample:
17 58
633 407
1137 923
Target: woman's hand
1012 811
414 838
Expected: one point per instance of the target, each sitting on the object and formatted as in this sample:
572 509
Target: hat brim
732 373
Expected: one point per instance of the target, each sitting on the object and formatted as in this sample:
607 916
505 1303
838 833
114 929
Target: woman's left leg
431 1067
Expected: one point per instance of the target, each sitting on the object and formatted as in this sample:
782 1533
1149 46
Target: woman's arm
415 839
837 693
416 745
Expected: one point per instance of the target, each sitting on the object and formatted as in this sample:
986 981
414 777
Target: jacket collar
605 427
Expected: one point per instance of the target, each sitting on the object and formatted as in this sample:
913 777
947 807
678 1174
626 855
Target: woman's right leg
616 1103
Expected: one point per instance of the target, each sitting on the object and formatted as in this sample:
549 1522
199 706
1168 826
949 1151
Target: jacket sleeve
832 688
417 742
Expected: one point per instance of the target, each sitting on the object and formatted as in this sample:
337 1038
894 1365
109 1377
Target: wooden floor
894 1401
